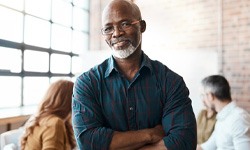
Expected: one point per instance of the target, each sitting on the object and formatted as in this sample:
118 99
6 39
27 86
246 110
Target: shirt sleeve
178 120
87 118
53 137
241 132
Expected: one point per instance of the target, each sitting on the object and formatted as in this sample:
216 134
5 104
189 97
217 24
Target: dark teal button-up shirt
104 101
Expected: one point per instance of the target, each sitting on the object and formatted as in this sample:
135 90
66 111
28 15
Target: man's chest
132 106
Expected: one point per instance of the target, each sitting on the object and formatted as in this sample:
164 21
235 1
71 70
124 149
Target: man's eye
107 29
125 24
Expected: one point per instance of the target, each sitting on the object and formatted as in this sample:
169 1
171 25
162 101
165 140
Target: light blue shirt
232 130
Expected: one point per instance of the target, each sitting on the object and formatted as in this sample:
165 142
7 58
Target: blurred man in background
232 129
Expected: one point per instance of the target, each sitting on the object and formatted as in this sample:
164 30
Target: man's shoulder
166 76
241 114
239 121
238 118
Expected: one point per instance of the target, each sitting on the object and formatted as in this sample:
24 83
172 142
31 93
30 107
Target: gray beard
124 53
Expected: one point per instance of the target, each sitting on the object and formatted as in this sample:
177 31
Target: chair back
10 140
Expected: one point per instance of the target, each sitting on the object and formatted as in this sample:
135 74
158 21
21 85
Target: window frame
23 46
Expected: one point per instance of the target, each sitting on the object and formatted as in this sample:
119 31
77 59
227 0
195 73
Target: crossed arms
144 139
177 129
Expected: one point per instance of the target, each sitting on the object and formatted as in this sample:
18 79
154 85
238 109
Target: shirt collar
110 67
146 62
225 111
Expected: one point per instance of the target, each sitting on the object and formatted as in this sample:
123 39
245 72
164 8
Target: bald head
116 7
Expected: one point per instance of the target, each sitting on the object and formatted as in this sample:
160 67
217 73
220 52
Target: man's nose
117 31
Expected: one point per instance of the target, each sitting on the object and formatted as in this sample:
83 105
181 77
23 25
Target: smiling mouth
120 43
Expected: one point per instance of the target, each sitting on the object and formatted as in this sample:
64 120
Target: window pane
81 3
36 61
73 79
34 89
10 59
60 63
37 32
16 4
86 20
53 79
80 19
80 42
61 38
40 8
77 67
10 88
11 25
61 12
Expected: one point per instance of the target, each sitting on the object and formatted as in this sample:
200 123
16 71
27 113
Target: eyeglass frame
120 27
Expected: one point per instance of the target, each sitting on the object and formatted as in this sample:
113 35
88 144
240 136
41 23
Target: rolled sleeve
87 119
178 118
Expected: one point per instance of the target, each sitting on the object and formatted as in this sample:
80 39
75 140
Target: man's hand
156 134
136 139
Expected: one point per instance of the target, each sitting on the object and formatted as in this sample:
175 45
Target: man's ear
143 26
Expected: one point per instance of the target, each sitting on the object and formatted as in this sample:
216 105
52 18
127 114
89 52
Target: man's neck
130 66
221 104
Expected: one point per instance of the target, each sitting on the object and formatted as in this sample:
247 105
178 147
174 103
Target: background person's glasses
125 25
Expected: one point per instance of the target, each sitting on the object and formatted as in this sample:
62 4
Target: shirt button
131 108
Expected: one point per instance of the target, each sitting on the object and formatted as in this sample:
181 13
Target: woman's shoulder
52 121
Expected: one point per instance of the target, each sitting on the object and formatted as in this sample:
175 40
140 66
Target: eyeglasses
124 26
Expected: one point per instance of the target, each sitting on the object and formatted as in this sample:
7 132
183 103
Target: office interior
45 40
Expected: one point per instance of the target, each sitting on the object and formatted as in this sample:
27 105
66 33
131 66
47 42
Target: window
40 42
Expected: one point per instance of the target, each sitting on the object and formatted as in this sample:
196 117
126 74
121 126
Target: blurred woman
205 122
50 128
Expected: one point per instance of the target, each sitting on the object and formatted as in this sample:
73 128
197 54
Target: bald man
130 101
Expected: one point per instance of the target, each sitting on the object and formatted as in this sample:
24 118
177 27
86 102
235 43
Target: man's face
207 99
123 41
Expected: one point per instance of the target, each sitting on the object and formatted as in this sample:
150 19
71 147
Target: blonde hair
56 101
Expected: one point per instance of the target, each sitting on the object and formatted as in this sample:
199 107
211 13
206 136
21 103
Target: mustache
112 42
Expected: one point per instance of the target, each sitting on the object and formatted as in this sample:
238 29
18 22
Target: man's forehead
117 10
116 16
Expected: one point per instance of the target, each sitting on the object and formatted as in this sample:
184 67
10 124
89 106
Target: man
129 101
232 129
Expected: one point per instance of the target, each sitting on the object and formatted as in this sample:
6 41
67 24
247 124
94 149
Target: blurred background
45 40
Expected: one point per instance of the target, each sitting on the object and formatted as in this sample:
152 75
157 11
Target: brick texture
236 49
